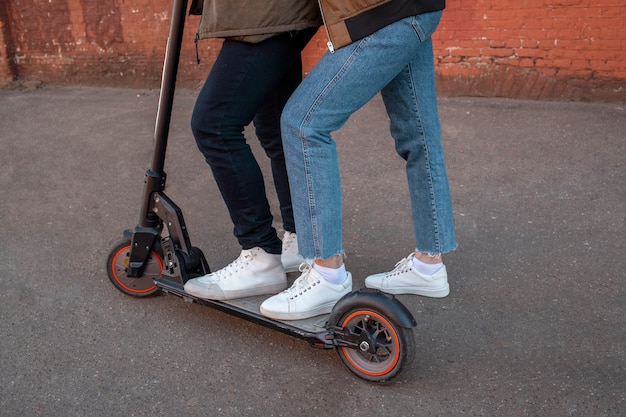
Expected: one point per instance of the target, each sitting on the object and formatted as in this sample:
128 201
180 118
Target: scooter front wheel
385 349
117 267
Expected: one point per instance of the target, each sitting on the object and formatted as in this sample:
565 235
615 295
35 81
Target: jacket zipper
331 48
195 40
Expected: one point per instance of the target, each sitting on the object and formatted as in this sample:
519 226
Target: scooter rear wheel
385 348
117 266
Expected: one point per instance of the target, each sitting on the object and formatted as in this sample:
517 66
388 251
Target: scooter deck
253 304
312 330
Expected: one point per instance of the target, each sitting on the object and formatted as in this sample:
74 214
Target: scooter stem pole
155 176
168 84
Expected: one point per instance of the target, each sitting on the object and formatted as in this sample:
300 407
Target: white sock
424 268
333 275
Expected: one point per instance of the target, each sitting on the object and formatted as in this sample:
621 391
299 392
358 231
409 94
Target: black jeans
249 83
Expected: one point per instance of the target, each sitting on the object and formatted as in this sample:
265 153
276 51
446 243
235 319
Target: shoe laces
304 282
402 266
235 266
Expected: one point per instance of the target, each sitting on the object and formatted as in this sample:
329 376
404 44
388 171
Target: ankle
428 258
335 276
332 262
429 266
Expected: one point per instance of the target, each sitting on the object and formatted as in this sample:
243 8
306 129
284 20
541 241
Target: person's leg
242 78
411 102
339 85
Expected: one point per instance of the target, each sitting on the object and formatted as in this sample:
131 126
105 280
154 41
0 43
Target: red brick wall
559 49
533 48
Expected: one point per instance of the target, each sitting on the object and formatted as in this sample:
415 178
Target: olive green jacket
254 20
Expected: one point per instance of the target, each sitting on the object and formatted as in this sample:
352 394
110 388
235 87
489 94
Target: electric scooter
371 331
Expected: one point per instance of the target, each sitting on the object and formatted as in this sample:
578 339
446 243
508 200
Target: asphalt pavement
535 324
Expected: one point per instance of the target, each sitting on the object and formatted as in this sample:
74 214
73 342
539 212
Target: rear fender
364 298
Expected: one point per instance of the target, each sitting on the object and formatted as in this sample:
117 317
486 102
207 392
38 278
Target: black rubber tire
387 348
117 264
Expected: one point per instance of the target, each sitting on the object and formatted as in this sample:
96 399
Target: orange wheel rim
396 356
117 279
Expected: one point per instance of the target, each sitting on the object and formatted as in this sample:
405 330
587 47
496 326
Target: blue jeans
398 62
249 83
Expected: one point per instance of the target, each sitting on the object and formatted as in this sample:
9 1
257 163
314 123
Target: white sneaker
255 272
290 258
309 296
405 279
